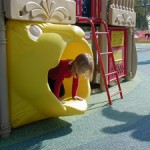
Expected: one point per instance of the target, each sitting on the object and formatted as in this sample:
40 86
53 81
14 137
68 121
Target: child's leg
52 84
62 91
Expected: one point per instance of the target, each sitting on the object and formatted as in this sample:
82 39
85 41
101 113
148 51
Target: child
82 65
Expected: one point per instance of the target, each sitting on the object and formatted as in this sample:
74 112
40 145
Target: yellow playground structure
36 34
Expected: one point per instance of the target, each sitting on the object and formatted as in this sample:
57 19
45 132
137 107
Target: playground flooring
123 126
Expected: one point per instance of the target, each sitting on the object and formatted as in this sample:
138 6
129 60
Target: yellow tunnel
33 49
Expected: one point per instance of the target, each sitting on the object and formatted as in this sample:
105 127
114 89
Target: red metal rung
106 53
111 73
102 32
115 93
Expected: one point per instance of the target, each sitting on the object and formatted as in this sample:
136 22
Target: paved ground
124 126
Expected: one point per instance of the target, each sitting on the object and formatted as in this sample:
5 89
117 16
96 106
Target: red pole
93 9
99 9
78 7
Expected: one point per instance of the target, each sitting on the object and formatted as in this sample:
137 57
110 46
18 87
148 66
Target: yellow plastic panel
30 59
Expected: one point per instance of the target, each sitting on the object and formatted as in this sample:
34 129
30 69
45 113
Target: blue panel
86 8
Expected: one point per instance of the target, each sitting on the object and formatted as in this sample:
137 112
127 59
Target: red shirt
59 73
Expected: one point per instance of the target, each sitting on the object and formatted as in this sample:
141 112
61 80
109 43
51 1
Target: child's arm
78 98
74 89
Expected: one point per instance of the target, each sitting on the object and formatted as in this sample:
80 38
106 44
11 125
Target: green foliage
142 12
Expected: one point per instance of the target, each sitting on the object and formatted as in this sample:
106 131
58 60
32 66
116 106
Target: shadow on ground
28 136
144 62
140 125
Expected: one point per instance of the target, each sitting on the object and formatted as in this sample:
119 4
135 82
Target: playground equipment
39 34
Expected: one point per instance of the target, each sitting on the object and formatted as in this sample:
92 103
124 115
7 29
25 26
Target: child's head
83 64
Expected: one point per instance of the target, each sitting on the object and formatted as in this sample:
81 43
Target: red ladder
109 53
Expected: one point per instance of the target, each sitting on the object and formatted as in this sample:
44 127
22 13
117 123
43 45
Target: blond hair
83 64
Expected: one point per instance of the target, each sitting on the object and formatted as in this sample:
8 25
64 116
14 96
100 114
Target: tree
142 9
